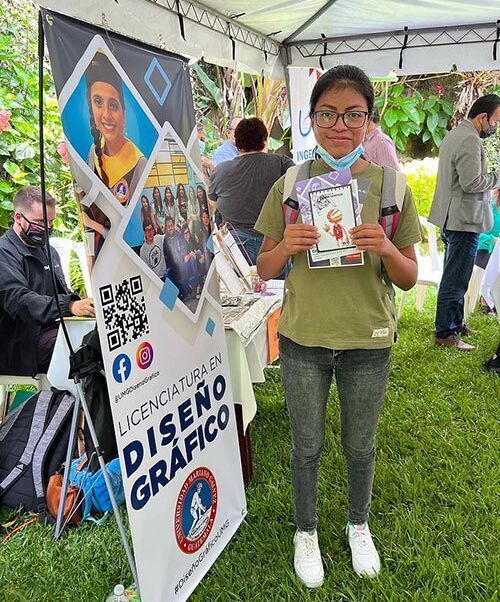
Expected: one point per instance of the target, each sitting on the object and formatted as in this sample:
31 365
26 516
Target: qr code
124 312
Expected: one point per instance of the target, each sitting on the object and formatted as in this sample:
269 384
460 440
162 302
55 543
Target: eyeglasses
351 119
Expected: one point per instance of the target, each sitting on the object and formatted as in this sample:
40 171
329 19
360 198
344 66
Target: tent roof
347 18
259 36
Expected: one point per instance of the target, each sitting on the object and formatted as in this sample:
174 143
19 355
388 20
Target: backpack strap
290 201
10 420
391 204
36 430
392 198
46 441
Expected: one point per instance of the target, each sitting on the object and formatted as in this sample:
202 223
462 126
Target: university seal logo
195 510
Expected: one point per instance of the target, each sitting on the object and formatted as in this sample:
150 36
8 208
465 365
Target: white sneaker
365 558
307 559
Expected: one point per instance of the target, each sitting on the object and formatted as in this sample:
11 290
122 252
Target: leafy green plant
221 92
77 284
438 112
421 177
492 151
19 152
422 184
405 112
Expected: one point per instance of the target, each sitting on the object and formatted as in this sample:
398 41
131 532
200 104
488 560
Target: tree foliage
19 150
221 93
422 115
419 111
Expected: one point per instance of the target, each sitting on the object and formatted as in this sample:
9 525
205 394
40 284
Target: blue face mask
342 162
202 146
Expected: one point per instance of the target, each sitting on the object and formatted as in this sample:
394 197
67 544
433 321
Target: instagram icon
144 355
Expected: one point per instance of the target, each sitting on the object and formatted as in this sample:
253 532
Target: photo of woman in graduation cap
113 157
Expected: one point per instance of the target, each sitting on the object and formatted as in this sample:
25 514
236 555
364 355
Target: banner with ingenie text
301 81
128 120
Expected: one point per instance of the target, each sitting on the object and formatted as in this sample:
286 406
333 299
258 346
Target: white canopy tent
259 36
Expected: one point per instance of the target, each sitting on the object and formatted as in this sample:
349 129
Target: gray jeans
361 376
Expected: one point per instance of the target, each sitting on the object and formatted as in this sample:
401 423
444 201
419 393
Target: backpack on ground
391 201
33 444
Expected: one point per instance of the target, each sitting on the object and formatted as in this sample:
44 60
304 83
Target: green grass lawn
434 511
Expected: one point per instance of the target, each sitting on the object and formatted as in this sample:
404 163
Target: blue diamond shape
210 327
169 294
160 97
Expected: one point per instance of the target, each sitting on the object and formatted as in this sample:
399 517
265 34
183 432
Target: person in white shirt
152 250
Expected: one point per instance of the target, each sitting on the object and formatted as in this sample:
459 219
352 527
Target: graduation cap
101 69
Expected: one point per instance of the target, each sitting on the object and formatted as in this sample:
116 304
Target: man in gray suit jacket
461 209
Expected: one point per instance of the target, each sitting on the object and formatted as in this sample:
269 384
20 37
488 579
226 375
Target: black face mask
35 234
490 131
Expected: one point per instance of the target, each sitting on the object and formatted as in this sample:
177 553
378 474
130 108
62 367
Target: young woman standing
337 322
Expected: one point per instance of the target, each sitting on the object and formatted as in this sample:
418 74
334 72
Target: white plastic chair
473 291
430 267
64 247
40 381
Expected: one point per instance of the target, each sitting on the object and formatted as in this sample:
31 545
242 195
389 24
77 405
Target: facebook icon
121 368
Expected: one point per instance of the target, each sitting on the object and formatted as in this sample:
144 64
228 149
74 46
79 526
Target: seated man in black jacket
28 309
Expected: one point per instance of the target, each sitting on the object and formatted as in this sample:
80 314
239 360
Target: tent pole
309 21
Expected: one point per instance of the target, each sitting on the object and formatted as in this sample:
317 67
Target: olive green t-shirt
342 307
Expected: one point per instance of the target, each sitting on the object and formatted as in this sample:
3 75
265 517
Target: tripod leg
69 454
102 464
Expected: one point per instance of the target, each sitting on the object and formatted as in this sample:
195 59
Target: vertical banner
301 82
128 119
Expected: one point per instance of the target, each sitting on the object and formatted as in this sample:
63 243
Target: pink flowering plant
4 120
63 152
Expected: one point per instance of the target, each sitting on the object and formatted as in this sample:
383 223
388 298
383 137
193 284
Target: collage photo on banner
170 226
112 134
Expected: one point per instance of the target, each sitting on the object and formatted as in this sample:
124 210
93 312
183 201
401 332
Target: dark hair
25 198
169 218
146 223
343 76
158 203
165 195
375 115
250 134
179 186
101 70
486 104
200 187
145 213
